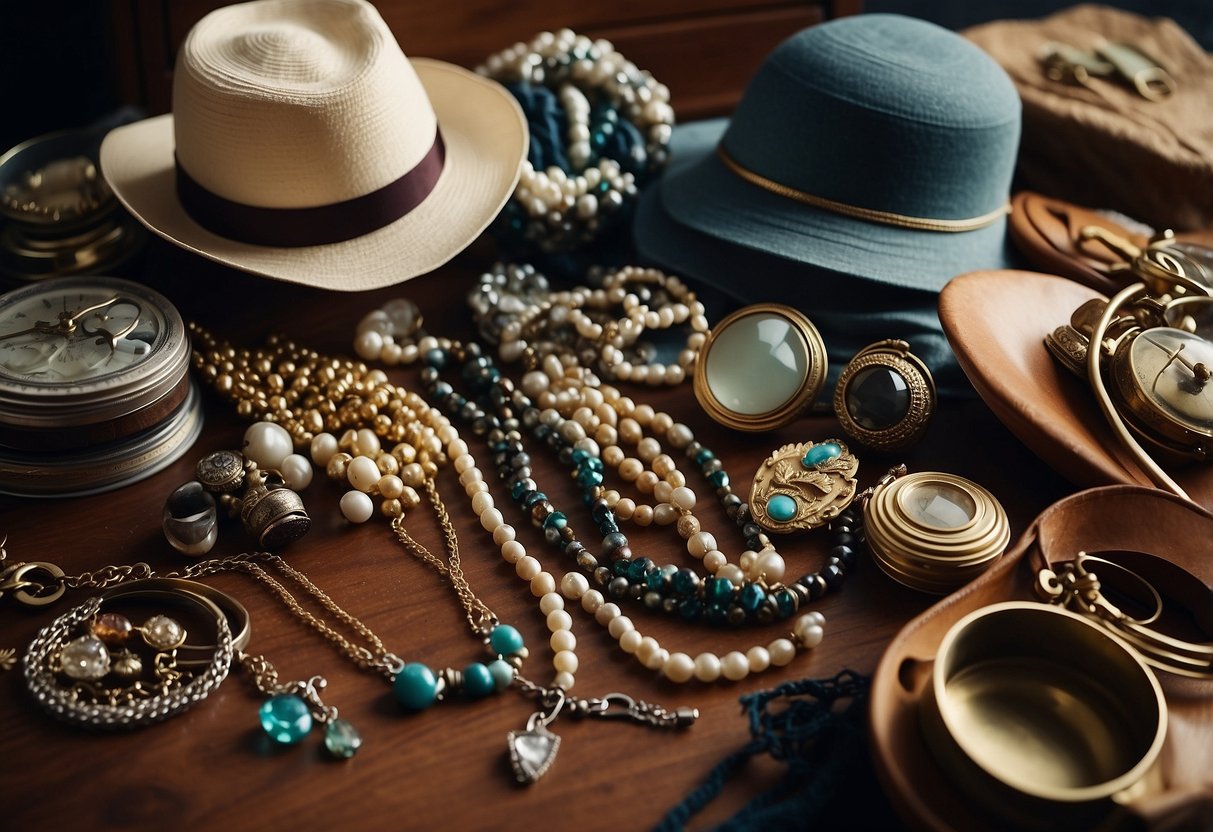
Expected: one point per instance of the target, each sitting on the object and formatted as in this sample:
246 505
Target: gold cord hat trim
869 214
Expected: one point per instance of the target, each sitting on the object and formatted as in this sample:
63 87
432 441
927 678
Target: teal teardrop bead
505 640
416 686
502 673
821 453
341 739
477 680
781 508
286 718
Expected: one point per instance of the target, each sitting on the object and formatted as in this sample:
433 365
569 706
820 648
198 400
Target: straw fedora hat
304 146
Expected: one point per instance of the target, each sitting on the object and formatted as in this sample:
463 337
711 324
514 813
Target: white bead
620 625
683 498
367 442
565 662
562 640
550 603
782 651
491 520
735 666
574 585
503 534
759 658
771 566
592 601
714 560
482 502
296 472
647 649
816 617
542 584
605 613
563 680
629 642
732 573
267 444
324 445
362 473
679 667
368 345
527 567
707 667
808 631
657 660
559 620
700 543
512 551
357 506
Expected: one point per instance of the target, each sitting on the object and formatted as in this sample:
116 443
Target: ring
885 396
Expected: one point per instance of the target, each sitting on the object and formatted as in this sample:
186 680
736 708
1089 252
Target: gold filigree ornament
801 487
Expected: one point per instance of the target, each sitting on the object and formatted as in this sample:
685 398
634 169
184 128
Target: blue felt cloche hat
876 150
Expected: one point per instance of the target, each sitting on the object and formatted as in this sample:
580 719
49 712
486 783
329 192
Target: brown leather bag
1103 143
1111 518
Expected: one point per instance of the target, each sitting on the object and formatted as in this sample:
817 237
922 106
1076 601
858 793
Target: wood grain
446 767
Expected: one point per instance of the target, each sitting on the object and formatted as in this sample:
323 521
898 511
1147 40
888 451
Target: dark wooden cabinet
703 50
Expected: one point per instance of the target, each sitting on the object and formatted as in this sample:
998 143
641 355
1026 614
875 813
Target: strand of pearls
596 86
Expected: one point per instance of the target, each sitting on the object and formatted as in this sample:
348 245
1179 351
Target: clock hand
68 320
114 337
40 327
1200 372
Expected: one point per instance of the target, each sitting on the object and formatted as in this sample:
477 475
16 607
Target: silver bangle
64 702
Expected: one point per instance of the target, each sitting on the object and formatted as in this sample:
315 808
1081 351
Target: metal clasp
21 579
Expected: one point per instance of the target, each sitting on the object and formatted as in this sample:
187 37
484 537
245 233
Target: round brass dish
760 367
934 532
1043 717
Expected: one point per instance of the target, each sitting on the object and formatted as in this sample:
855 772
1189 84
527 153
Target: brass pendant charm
801 487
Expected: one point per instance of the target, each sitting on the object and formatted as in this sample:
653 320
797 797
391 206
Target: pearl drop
362 473
679 667
562 640
771 566
368 345
528 567
324 445
574 585
732 573
267 444
707 667
357 507
542 584
782 651
735 666
296 472
759 659
551 603
559 620
565 661
629 642
620 625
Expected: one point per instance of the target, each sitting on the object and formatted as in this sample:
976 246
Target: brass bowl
1044 718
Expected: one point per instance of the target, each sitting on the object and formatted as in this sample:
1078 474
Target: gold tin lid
1041 716
933 531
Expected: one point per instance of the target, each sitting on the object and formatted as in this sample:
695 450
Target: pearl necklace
602 94
353 397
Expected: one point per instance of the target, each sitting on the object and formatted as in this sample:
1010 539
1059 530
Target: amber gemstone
112 628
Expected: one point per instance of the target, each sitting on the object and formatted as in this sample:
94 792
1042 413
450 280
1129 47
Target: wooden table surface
446 767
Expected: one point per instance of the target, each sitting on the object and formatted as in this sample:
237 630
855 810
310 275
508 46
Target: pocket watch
1152 371
87 360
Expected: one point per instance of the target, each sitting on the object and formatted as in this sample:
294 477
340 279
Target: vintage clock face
82 350
1171 371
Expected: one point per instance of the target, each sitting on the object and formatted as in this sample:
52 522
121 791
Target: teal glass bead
286 718
477 680
505 640
555 520
717 590
588 478
821 453
781 508
416 686
718 479
341 739
785 601
502 673
752 597
703 456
